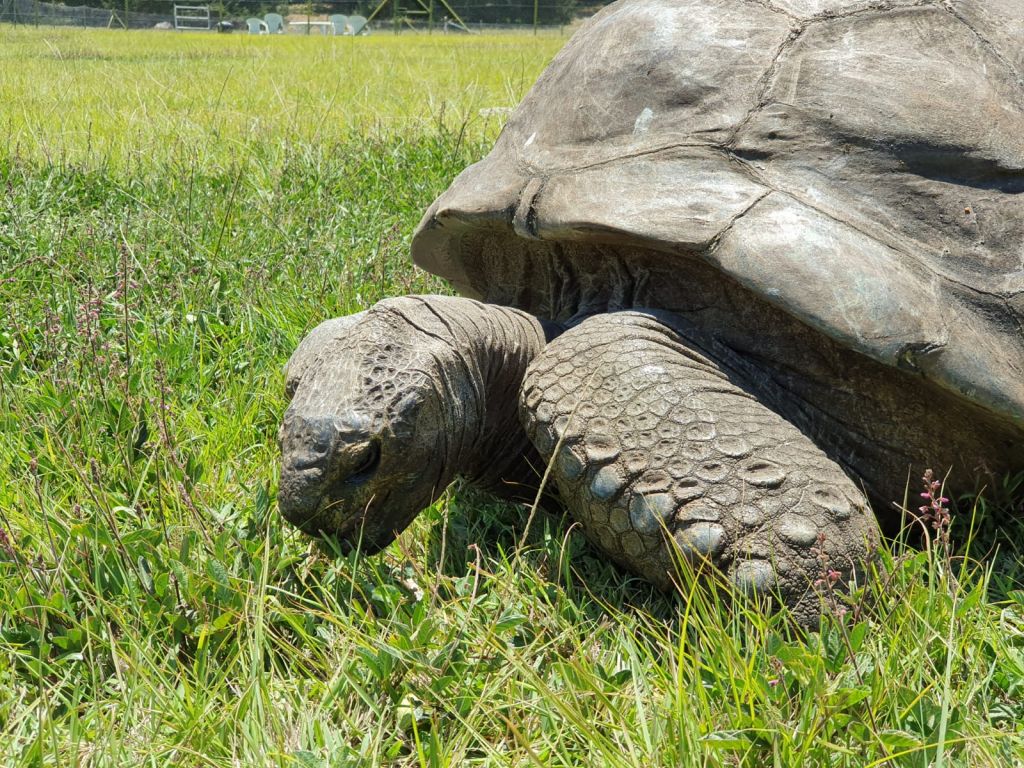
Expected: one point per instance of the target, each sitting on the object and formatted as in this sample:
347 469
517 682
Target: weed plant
155 611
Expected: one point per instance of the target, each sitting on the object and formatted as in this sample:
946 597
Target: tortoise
732 271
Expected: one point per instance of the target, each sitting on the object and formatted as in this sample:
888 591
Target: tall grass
142 98
154 610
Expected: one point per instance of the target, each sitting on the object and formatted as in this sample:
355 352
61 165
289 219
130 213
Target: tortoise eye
368 466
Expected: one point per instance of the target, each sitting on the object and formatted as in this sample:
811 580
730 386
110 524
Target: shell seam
992 47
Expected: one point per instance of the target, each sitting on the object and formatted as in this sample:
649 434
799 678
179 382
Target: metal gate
191 16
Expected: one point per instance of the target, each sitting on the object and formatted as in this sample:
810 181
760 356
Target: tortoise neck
491 347
503 459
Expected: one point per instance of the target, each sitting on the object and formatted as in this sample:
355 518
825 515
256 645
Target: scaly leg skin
666 455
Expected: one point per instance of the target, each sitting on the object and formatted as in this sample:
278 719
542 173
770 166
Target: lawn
141 99
176 212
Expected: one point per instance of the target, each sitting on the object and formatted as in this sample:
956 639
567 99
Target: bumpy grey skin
389 406
663 451
820 204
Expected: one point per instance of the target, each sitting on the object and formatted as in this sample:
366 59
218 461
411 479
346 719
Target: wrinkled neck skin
487 351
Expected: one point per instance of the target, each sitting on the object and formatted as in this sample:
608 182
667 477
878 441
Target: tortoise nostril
321 435
309 436
307 444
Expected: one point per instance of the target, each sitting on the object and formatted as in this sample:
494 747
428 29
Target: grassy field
146 98
175 213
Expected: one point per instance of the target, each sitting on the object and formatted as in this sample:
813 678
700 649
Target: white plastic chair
358 25
275 23
339 24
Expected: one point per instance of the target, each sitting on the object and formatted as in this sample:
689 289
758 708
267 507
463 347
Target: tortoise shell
859 166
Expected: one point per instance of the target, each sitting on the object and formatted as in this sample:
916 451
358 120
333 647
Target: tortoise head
366 439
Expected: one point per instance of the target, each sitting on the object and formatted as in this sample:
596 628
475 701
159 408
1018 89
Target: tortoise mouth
356 525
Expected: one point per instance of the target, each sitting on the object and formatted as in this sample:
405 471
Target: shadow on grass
989 529
554 556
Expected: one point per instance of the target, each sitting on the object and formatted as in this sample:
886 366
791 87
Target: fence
443 16
56 15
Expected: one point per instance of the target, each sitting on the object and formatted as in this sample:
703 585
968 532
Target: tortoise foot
670 459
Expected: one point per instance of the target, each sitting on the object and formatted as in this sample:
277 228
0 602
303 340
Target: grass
153 97
156 271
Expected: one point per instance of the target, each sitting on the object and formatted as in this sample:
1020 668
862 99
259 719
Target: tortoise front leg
661 451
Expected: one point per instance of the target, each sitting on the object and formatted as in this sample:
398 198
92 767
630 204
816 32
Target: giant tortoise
733 270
